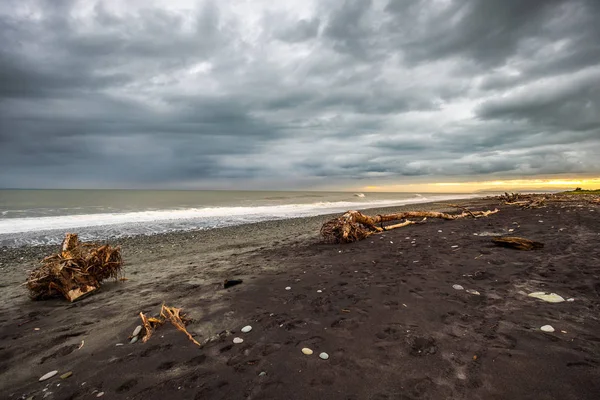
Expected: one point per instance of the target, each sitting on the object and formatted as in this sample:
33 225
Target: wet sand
387 314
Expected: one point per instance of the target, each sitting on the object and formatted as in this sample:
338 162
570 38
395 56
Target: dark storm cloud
236 94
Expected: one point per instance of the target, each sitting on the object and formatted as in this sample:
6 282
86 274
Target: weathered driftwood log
78 270
354 226
518 243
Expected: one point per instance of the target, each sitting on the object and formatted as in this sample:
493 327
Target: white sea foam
43 230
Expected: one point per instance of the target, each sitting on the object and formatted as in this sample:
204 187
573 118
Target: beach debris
324 356
307 351
518 243
523 201
171 314
457 287
547 328
48 375
473 291
238 340
231 282
354 225
548 297
246 329
77 270
66 375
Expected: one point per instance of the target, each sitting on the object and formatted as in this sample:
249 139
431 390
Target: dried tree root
77 270
518 243
354 226
171 314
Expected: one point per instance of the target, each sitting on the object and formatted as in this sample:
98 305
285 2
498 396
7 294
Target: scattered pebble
288 288
511 230
119 344
457 287
66 375
439 231
36 329
391 242
137 330
455 246
563 331
48 375
472 291
319 291
540 221
571 299
246 329
237 340
100 394
550 298
133 340
307 351
324 356
547 328
263 373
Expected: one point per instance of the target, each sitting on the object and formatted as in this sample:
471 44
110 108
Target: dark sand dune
388 315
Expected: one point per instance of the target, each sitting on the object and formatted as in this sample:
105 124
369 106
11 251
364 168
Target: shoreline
385 309
9 254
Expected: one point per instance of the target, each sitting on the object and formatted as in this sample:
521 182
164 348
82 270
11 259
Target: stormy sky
297 93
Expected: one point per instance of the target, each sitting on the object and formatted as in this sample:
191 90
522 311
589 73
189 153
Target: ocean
38 217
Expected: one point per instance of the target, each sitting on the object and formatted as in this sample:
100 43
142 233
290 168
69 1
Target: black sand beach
387 314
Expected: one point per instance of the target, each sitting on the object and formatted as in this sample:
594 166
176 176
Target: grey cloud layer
216 94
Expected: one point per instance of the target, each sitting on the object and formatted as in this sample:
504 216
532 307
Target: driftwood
77 270
523 201
354 226
518 243
174 315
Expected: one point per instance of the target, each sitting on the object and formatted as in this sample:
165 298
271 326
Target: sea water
36 217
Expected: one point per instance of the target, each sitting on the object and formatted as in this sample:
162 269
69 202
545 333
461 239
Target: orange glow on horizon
496 185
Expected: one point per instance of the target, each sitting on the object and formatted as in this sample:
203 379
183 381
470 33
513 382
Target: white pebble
100 394
324 356
319 291
547 328
246 329
237 340
455 246
48 375
457 287
471 291
439 231
137 330
288 288
307 351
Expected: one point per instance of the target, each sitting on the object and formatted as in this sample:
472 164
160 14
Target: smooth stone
471 291
133 340
307 351
324 356
288 288
263 373
319 291
137 330
550 298
48 375
237 340
246 329
119 344
457 287
66 375
100 394
547 328
571 299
